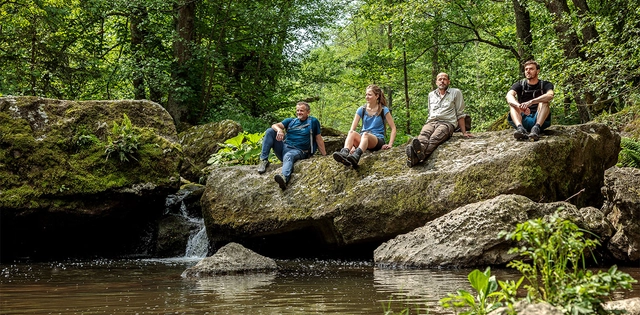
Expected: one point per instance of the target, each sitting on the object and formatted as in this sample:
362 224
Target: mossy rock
383 197
626 121
55 174
200 142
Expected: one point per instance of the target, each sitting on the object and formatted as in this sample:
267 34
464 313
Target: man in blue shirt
303 137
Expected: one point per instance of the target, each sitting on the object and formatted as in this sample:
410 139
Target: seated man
446 112
528 101
302 138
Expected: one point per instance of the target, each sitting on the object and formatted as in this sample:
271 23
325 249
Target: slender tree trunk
138 16
523 31
185 27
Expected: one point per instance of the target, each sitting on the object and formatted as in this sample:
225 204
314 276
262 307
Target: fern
629 156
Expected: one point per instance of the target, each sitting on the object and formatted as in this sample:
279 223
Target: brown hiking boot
412 159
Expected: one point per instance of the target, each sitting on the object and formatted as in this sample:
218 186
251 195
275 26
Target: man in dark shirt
528 100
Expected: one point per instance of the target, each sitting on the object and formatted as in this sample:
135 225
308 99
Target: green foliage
123 141
243 149
486 299
629 156
555 266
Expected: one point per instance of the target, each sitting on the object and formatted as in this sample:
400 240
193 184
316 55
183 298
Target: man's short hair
305 105
531 62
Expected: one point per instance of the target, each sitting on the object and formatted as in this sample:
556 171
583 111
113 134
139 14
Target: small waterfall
198 244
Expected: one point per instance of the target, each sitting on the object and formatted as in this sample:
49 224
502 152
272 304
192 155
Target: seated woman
375 115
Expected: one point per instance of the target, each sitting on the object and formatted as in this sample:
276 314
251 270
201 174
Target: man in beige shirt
446 112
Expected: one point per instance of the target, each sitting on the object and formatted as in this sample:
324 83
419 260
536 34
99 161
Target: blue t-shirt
302 134
373 124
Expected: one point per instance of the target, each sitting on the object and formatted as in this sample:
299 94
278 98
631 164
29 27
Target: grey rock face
231 259
384 198
622 193
468 236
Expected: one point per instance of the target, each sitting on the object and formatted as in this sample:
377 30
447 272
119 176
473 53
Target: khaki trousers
433 134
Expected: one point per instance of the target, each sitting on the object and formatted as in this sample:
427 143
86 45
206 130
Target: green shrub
243 149
555 266
486 300
124 141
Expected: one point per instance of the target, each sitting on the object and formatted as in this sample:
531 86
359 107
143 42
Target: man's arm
320 142
511 98
463 128
279 128
544 98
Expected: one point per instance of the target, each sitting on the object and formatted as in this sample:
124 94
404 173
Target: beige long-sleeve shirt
447 108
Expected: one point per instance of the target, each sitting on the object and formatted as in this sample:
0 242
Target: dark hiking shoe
417 149
521 133
355 157
412 159
262 167
282 182
341 156
535 133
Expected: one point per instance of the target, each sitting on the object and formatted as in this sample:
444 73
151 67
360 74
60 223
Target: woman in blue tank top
375 115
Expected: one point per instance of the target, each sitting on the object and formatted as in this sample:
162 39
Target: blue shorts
528 121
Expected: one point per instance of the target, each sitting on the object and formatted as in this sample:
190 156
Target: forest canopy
251 61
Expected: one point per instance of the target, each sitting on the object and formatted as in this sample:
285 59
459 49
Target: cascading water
198 244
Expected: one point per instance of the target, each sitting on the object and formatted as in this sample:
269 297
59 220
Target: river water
154 286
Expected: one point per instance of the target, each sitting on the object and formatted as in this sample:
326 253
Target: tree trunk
138 16
523 30
185 27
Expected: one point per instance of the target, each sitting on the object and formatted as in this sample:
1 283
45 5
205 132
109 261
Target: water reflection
235 287
299 287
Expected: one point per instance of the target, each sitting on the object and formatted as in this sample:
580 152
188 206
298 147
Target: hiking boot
521 133
535 133
342 156
412 159
282 182
417 149
355 157
262 167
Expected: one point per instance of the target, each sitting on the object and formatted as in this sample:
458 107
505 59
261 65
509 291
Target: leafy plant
555 267
486 300
629 156
243 149
124 142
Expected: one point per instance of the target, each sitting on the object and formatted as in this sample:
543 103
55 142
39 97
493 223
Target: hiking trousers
433 134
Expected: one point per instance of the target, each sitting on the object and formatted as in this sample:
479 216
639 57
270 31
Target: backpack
312 142
524 83
467 124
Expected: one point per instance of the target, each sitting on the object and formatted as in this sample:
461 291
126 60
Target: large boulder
62 194
468 236
199 142
622 205
383 198
232 258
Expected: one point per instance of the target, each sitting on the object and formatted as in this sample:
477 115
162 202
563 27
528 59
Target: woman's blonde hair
378 92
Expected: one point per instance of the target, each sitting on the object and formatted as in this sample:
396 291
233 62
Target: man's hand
467 134
280 135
